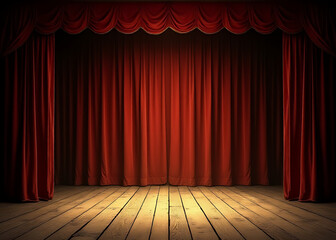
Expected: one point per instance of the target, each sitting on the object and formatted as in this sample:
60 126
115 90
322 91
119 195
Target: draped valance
318 21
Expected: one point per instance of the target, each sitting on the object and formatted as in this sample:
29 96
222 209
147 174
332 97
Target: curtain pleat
309 117
317 20
28 106
184 109
27 70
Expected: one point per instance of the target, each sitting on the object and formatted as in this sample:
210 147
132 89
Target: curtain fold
309 120
18 22
28 90
184 109
320 25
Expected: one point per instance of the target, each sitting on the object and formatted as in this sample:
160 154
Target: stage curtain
189 109
320 25
309 120
27 87
18 21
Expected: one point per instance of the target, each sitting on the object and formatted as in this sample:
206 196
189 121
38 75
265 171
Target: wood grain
79 222
168 212
143 223
160 228
122 224
223 227
178 222
97 225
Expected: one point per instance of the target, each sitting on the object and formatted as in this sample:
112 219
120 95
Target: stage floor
162 212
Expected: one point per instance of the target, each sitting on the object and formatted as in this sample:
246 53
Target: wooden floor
168 212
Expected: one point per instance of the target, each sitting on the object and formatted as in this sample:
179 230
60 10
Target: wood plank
76 224
246 228
28 225
143 223
13 210
58 192
325 209
96 226
22 224
47 228
160 228
178 222
224 228
275 226
304 219
121 225
165 212
199 225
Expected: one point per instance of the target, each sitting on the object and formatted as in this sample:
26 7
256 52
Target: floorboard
160 228
168 212
220 223
123 223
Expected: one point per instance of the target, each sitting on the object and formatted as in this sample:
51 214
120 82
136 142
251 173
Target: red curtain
17 24
27 171
318 20
189 109
320 25
309 120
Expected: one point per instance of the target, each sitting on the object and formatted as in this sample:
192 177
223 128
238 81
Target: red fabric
18 23
185 109
320 25
309 120
28 88
318 21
